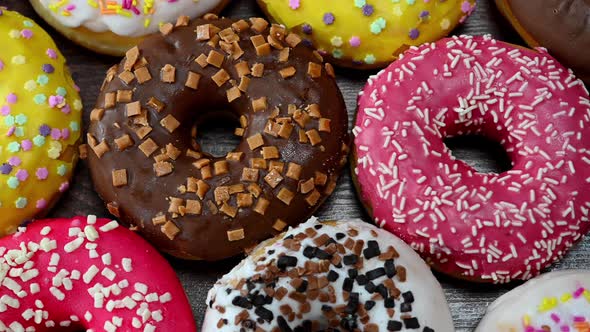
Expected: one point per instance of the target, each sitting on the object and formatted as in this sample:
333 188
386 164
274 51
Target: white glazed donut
114 26
553 302
329 277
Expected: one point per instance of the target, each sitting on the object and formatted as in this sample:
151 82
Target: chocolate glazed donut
149 170
561 26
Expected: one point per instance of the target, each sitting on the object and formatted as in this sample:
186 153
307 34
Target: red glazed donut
87 274
481 227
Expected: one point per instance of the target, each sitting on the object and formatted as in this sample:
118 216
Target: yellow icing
390 28
29 80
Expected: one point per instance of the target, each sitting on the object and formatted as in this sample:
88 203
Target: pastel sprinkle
26 33
22 175
39 140
355 41
329 18
48 68
42 79
61 91
12 182
51 53
21 203
370 59
5 169
294 4
61 170
336 41
41 204
42 173
39 99
359 3
19 60
74 126
414 34
11 98
14 161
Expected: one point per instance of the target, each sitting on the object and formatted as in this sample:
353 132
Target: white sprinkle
46 230
108 273
57 293
91 233
109 226
106 259
73 245
166 297
127 264
90 274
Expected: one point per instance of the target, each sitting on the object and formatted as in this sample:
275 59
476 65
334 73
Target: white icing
507 313
430 305
84 14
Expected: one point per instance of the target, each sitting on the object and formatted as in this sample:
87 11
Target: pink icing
133 287
484 227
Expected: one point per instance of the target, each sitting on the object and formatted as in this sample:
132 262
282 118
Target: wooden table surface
468 301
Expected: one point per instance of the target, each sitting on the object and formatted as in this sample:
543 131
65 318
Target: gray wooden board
468 301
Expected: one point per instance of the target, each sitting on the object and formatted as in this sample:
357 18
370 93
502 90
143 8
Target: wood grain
467 301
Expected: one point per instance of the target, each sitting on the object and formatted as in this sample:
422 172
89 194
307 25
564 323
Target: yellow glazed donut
114 26
368 33
40 113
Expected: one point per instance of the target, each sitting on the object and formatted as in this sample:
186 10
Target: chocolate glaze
562 26
205 236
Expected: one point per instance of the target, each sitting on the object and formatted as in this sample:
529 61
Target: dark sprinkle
353 273
258 300
326 308
350 259
382 290
372 250
303 287
370 287
283 325
332 276
376 273
427 329
362 279
321 254
242 302
340 236
405 307
390 268
394 325
264 313
286 261
271 252
250 285
309 252
249 324
411 323
389 302
318 227
290 237
305 327
347 285
369 305
353 302
349 323
408 297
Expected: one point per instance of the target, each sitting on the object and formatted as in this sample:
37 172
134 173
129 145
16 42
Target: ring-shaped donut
561 26
87 274
40 115
149 170
482 227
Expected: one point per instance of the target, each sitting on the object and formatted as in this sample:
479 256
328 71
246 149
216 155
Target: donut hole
482 153
216 133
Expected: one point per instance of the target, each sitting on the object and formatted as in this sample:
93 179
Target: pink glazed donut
475 226
87 274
